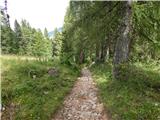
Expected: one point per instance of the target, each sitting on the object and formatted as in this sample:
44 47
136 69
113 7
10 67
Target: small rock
53 72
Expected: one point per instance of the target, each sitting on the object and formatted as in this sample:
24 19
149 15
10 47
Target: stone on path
82 103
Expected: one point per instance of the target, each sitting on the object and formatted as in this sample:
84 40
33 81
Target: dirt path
82 103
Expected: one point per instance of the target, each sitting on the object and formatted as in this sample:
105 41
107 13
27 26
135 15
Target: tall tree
7 35
46 33
123 43
56 43
7 40
26 37
18 34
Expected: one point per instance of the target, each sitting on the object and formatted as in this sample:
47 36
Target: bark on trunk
121 53
98 53
81 57
101 51
104 48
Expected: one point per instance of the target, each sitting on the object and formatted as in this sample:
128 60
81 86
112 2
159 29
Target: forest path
82 103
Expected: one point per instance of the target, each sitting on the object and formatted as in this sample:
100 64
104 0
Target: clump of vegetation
29 92
134 96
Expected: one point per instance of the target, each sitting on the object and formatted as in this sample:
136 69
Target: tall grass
29 92
135 96
18 57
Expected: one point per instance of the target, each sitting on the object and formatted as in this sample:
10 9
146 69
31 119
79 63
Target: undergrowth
29 92
135 96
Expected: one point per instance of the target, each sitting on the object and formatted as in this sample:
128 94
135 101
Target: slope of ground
135 96
29 92
82 103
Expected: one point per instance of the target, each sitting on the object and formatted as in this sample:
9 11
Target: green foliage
28 87
25 40
8 45
92 28
146 30
57 43
133 97
88 31
18 33
34 42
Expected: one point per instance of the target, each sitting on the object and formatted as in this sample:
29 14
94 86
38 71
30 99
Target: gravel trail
82 103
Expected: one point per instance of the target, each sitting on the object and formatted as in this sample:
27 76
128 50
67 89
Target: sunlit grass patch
18 57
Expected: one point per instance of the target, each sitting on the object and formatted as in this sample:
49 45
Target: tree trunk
111 46
98 53
104 50
121 53
81 57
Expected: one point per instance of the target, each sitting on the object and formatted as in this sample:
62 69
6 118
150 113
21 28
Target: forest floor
83 102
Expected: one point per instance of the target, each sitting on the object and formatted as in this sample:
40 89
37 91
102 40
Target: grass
135 96
20 57
29 92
